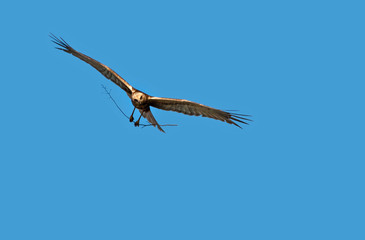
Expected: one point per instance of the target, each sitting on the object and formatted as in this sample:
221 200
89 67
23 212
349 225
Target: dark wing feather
106 71
149 116
196 109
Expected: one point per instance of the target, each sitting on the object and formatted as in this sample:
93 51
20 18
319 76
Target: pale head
139 98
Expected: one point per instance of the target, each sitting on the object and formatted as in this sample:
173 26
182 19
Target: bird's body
143 101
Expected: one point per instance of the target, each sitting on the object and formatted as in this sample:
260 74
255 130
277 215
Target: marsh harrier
143 101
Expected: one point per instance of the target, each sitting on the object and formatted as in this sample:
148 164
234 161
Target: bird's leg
136 124
131 118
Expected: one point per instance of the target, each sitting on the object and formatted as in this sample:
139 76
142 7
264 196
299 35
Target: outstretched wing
148 115
106 71
196 109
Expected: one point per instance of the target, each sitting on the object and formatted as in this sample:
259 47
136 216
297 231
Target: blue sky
72 167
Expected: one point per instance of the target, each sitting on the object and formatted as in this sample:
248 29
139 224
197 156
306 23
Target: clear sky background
72 167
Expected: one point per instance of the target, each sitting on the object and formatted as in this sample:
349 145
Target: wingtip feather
64 46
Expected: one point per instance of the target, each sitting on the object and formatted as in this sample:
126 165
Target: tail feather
149 116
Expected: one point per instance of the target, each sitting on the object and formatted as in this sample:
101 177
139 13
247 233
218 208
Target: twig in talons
163 125
125 115
116 104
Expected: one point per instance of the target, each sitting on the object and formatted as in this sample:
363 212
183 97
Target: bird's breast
140 105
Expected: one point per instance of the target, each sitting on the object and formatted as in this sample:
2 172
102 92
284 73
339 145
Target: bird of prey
143 101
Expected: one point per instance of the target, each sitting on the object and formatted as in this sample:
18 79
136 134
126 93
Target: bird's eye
140 98
135 100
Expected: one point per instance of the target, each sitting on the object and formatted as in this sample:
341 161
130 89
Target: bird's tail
149 116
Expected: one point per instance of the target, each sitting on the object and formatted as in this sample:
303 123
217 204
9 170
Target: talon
136 124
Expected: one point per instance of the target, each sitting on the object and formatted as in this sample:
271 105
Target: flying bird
143 101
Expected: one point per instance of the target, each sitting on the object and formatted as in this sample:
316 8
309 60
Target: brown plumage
143 101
